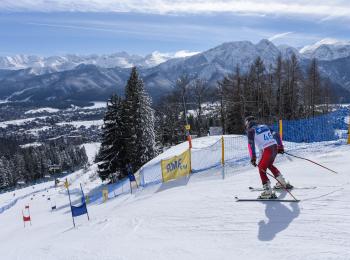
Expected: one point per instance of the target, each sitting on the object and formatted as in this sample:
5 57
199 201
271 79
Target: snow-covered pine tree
199 89
112 143
4 181
138 119
146 145
169 124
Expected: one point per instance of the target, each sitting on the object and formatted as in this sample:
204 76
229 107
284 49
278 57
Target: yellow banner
176 167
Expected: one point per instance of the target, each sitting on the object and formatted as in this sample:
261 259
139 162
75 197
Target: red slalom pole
310 161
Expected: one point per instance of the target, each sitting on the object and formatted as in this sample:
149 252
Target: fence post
222 151
105 194
281 129
161 169
190 159
143 177
223 156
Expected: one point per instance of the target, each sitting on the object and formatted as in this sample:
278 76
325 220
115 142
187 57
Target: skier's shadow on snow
279 217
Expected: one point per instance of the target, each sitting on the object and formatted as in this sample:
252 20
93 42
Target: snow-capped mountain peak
327 49
326 41
67 62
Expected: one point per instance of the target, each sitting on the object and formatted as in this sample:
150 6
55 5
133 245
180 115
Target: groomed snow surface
194 218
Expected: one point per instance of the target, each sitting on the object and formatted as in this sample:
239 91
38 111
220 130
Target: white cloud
163 56
279 36
335 8
184 53
159 57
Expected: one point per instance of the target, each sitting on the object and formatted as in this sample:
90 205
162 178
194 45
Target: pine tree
278 87
20 165
257 83
234 102
295 86
313 88
112 143
182 87
169 121
221 94
4 180
199 89
145 134
138 123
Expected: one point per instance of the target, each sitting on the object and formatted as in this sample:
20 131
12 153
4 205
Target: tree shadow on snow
174 183
279 217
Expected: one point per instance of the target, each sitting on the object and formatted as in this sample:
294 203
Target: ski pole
282 186
279 183
310 161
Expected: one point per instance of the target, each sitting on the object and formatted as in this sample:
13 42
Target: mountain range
95 77
42 65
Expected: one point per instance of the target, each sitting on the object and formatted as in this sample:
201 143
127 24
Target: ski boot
267 193
282 184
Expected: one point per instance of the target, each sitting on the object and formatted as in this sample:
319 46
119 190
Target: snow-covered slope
196 218
288 51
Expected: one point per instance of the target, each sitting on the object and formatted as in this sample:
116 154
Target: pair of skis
274 199
284 200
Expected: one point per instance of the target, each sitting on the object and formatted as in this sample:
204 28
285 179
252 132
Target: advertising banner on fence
176 167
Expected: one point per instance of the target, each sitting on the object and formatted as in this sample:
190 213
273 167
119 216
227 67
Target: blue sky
57 27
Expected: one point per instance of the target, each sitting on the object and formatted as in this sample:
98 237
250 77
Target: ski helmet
249 121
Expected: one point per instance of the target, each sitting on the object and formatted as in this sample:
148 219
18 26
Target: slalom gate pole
310 161
223 157
280 183
70 203
30 219
24 223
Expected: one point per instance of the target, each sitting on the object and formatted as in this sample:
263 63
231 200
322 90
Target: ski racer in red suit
269 144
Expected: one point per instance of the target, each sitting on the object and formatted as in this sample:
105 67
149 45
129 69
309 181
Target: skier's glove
253 161
280 149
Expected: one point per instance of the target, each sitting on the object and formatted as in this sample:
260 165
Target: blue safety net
327 127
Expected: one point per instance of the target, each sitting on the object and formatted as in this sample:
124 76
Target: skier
269 144
130 172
